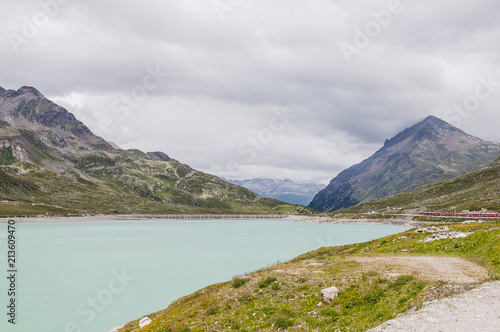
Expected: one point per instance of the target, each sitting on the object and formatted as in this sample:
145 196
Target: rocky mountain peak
430 129
25 91
430 151
432 120
30 90
54 125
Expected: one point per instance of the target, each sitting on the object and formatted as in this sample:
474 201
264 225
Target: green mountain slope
50 159
474 191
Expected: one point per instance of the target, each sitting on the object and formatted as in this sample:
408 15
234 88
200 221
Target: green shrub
266 282
239 282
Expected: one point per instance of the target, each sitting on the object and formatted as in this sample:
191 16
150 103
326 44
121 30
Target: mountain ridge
44 147
430 151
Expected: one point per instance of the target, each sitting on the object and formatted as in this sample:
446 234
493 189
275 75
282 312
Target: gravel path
455 270
475 310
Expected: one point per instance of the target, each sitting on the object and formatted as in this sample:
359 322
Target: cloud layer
204 81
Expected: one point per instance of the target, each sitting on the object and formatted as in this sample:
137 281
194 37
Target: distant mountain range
52 163
283 190
428 152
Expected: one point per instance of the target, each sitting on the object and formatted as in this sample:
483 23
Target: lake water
93 276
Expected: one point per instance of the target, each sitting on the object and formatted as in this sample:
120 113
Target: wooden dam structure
205 216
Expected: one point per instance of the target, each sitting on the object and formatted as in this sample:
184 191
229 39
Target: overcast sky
261 88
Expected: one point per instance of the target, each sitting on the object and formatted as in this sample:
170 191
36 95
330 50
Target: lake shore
365 221
297 218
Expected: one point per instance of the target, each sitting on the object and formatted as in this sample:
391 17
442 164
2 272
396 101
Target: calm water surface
93 276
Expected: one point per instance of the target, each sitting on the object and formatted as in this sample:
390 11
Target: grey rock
443 236
432 229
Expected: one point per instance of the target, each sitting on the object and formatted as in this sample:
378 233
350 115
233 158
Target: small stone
430 319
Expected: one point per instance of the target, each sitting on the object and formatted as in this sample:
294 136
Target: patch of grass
6 156
400 282
212 311
283 323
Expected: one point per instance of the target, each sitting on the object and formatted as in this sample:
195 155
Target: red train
466 215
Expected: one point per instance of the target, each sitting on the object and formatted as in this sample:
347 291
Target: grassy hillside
289 299
474 191
27 189
52 163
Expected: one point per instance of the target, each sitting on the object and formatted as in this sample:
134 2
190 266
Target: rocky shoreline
365 221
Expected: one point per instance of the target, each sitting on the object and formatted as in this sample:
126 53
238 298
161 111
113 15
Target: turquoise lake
92 276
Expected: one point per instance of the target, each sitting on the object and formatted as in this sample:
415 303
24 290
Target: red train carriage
471 215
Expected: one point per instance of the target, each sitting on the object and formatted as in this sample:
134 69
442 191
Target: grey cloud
225 77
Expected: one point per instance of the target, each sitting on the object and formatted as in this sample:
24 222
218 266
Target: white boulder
144 322
329 294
